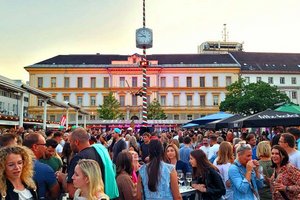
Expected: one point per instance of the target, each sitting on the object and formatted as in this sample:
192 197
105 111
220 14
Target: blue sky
34 30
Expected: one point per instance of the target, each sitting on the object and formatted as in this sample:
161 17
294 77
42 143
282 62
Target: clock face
144 38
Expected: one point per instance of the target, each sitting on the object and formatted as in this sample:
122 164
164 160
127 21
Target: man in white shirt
214 146
287 141
58 137
205 148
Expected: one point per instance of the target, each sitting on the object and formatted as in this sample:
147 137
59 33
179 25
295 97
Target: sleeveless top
163 188
78 197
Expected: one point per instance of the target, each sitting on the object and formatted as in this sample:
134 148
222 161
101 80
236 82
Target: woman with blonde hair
88 179
263 152
172 157
16 172
223 162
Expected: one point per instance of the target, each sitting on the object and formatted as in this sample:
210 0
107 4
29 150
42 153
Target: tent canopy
289 108
210 118
222 123
190 125
267 118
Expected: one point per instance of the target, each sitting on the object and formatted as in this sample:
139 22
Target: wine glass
180 177
189 178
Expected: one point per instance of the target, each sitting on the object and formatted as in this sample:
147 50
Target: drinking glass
180 177
189 178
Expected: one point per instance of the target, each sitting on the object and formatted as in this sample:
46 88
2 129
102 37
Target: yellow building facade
187 86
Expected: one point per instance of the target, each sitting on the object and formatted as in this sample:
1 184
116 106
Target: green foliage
251 98
155 111
110 109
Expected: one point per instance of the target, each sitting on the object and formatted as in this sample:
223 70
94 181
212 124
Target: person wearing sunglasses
44 175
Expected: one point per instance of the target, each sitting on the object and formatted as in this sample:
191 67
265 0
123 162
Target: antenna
225 33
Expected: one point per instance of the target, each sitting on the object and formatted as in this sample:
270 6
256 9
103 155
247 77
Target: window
79 100
53 82
122 100
282 80
122 81
106 82
270 80
52 118
293 80
67 98
79 82
67 82
15 108
148 81
93 101
215 100
176 100
93 82
176 117
215 81
162 81
294 94
189 117
40 82
92 117
163 100
134 100
228 80
258 79
202 81
80 117
189 100
188 81
134 81
176 81
247 79
202 100
40 102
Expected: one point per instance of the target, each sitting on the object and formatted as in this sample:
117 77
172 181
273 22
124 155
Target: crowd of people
124 164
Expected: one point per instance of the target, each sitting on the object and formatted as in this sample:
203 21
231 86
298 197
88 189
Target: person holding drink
285 181
208 182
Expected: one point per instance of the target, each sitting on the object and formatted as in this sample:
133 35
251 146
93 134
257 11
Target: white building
10 101
279 69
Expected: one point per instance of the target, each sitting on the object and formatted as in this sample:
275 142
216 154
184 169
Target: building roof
163 59
267 62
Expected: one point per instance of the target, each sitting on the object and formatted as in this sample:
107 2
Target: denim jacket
240 185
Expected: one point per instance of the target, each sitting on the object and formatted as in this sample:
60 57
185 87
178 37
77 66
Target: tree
110 109
155 111
251 98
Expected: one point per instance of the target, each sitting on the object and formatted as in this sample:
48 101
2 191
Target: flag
63 120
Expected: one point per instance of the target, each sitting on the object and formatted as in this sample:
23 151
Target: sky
35 30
